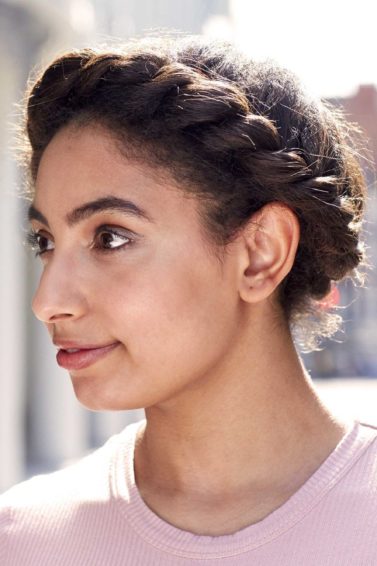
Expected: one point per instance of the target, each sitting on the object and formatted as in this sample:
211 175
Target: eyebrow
104 204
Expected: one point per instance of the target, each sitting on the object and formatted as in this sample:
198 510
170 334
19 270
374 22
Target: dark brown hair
237 133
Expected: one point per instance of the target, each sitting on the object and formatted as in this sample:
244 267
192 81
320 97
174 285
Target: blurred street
350 397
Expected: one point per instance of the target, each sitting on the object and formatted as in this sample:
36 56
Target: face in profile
137 305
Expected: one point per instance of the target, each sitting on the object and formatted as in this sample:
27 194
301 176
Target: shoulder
5 522
359 476
67 481
368 460
371 427
63 513
52 497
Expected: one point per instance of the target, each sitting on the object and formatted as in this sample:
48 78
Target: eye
108 238
39 242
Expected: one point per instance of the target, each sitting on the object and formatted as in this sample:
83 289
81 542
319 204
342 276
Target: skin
234 424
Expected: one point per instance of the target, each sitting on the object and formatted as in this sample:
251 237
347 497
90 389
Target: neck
252 424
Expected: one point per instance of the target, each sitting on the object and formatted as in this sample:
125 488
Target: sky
330 44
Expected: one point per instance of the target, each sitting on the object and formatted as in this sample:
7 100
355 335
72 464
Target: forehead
84 164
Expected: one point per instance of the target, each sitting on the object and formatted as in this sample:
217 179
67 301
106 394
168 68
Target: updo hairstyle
237 134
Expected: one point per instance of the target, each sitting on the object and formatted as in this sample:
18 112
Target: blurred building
122 18
356 351
19 51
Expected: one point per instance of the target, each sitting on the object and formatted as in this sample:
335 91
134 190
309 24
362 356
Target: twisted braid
238 132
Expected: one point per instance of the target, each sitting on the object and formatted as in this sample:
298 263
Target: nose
58 296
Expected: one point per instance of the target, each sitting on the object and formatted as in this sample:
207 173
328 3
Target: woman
190 208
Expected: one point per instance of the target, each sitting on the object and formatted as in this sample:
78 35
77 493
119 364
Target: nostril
61 316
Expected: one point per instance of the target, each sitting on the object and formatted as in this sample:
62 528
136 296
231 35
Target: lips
74 357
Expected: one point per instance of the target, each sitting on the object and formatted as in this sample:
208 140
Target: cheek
166 316
176 321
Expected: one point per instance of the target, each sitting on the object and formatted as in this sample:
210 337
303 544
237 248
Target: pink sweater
91 514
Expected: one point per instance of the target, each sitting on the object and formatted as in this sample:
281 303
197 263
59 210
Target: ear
268 248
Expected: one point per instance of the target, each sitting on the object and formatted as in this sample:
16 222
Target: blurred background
330 45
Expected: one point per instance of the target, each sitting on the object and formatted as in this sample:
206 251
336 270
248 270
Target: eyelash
33 240
119 232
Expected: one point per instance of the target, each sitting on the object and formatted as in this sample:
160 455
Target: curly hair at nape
236 133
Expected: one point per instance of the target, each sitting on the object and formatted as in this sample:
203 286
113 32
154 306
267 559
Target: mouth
80 358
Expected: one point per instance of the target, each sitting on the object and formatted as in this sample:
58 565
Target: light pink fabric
91 514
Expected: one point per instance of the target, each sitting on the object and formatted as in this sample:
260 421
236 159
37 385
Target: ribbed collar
173 540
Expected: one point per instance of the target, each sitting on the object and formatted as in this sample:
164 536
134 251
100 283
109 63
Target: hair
236 133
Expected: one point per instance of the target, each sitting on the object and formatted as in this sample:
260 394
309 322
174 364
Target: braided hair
237 133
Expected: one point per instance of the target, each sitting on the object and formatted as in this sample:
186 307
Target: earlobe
270 242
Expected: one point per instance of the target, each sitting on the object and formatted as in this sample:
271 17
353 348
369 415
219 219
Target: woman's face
131 293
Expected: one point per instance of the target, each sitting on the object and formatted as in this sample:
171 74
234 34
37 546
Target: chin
95 398
97 403
98 392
